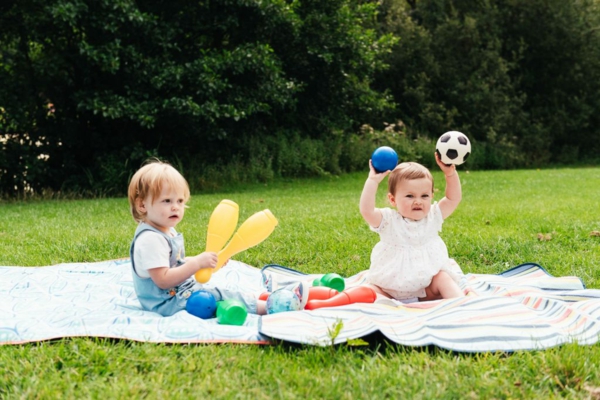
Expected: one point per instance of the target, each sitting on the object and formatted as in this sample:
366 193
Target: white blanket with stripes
523 308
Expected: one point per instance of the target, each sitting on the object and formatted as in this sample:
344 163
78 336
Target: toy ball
282 300
384 158
201 304
453 148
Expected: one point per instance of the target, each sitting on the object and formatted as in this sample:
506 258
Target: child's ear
140 205
391 199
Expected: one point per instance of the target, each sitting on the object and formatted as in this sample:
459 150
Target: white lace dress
409 254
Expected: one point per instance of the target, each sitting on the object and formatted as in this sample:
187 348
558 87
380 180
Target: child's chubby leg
386 298
261 307
258 304
442 286
381 294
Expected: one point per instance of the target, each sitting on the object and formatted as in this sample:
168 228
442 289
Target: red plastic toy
321 293
360 294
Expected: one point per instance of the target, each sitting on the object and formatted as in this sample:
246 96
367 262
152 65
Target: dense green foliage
521 78
247 90
91 89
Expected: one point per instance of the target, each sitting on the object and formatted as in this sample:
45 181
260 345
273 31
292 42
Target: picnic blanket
98 299
522 308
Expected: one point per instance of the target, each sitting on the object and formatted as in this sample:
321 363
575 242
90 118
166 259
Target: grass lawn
550 217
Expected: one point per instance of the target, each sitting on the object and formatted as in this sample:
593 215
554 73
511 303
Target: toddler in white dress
411 260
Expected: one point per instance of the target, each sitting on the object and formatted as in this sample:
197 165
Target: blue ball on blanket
201 304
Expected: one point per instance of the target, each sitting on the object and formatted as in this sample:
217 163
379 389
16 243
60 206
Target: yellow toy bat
221 225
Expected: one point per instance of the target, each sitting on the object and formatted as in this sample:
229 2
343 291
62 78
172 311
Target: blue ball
384 158
201 304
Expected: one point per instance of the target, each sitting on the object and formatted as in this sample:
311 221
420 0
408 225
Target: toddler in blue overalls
162 274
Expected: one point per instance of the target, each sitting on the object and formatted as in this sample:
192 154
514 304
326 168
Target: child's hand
377 176
446 169
208 259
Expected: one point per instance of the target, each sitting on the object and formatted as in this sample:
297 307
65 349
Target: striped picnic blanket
523 308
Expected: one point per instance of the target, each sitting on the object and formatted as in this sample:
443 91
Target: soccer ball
453 148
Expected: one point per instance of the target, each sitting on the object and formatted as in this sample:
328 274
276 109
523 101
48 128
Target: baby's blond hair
149 181
407 171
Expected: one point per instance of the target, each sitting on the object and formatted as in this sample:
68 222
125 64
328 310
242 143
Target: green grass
320 230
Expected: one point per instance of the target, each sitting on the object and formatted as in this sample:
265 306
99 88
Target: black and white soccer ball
453 148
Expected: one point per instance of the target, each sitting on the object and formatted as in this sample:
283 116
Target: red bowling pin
360 294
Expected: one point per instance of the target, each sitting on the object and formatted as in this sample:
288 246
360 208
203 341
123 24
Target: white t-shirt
151 251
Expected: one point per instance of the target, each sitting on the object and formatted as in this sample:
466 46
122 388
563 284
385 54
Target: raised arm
367 198
453 194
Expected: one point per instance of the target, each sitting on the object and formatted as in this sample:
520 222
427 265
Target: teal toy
331 280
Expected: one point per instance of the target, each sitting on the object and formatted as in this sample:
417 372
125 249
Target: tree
560 73
519 77
95 87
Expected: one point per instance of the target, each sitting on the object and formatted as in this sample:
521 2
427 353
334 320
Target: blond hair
407 171
150 180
